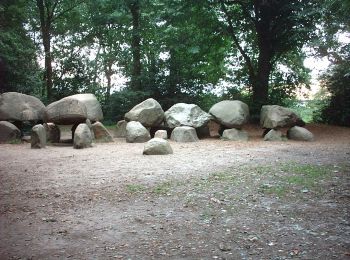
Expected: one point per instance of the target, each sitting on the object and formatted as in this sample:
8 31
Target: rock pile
273 118
182 122
231 115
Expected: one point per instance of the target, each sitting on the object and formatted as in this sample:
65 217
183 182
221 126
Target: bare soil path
209 200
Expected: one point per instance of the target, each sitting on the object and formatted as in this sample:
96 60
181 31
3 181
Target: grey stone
157 146
184 134
38 137
163 134
67 111
101 133
9 132
93 107
300 134
230 113
273 116
120 130
53 133
183 114
82 137
136 133
235 135
148 113
88 123
20 107
273 135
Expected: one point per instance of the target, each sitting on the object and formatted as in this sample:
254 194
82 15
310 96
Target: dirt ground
211 199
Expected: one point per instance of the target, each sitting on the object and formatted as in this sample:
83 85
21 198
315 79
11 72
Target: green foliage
206 100
337 81
121 102
19 70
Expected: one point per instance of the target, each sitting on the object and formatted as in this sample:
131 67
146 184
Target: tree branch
67 10
245 9
235 39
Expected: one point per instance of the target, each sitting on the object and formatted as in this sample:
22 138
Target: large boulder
93 107
101 133
274 116
273 135
38 137
235 135
120 130
53 133
67 111
136 133
230 113
157 146
82 137
183 114
20 107
9 132
184 134
300 134
148 113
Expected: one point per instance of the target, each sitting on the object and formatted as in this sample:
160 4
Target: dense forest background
192 51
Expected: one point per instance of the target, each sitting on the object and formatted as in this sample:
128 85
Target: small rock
161 134
224 247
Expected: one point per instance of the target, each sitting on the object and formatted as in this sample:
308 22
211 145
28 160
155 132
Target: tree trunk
108 73
174 79
260 82
45 25
136 46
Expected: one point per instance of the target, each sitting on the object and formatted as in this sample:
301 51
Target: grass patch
306 176
163 188
135 188
278 190
295 177
227 179
15 141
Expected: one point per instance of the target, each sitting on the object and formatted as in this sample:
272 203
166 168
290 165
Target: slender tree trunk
48 65
45 25
136 46
108 73
173 74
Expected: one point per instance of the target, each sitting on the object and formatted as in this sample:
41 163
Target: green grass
163 188
135 188
294 177
278 190
15 141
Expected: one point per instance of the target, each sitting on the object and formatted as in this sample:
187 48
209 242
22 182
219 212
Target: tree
134 7
336 80
49 12
19 70
264 32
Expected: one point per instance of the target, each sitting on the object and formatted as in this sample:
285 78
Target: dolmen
274 118
75 110
18 110
232 115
